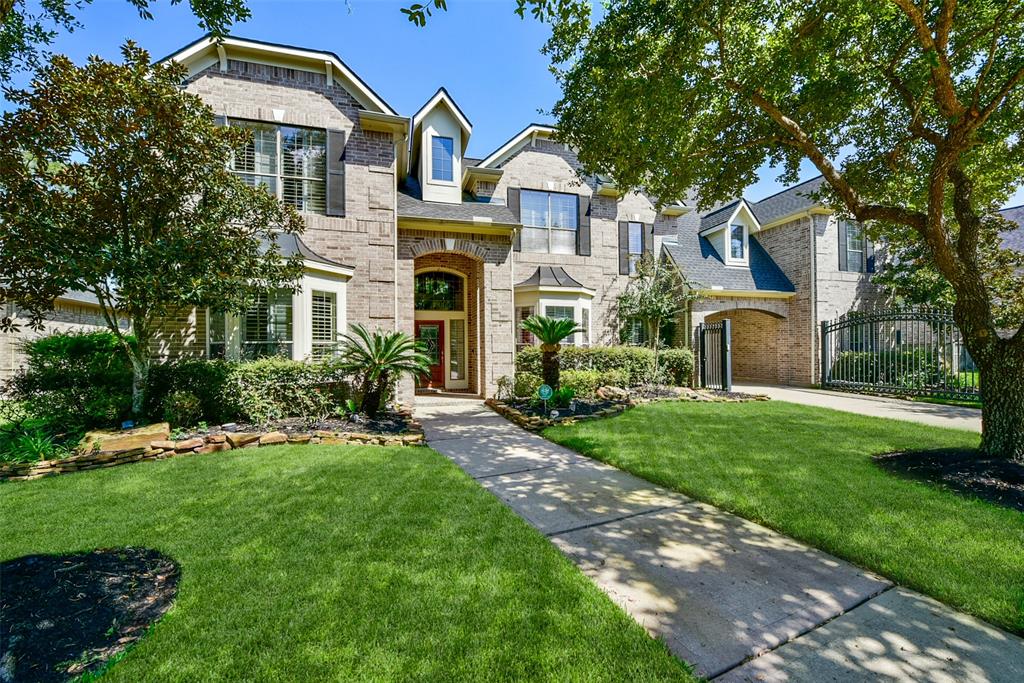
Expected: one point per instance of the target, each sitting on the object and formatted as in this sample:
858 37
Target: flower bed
527 418
109 449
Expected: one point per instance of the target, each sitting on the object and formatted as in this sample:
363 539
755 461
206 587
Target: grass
807 472
939 400
337 563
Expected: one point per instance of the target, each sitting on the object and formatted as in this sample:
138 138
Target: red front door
431 334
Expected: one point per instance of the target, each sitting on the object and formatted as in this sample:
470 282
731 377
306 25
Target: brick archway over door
755 343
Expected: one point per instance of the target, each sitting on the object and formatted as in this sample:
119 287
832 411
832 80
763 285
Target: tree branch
945 92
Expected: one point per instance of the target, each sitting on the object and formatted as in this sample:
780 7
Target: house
404 231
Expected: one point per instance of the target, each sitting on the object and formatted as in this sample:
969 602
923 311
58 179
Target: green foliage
182 409
273 388
112 173
379 359
654 295
206 379
526 383
562 397
74 381
549 331
583 382
677 365
915 368
24 442
628 365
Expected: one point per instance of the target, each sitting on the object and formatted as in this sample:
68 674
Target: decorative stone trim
209 443
535 423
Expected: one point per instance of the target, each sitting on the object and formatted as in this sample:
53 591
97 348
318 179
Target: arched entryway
446 300
756 343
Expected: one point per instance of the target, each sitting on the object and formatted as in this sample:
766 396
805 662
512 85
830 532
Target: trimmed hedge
910 369
633 362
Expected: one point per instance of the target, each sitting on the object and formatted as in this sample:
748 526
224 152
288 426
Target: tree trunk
655 344
139 357
1002 402
549 366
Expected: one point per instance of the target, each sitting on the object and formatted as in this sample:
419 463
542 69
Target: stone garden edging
535 423
154 444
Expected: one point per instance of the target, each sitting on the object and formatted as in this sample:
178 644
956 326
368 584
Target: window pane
736 241
564 213
457 349
442 150
259 154
269 183
305 195
324 320
854 237
304 153
533 208
585 324
562 313
636 238
267 325
534 240
438 292
563 241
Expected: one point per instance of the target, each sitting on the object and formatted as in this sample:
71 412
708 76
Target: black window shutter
623 248
648 238
513 205
583 229
842 246
335 173
869 256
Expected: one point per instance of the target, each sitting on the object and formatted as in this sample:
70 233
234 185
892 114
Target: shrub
75 381
613 378
583 382
906 368
273 388
182 409
206 379
634 362
677 365
23 442
526 384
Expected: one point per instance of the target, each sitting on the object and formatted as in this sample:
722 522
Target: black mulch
61 616
580 406
998 481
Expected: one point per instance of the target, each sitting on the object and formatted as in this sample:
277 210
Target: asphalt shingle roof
411 205
292 245
550 276
787 202
1014 239
718 216
705 268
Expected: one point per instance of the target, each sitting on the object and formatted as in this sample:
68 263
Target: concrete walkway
956 417
736 600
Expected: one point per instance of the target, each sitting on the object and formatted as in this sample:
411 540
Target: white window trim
550 229
730 260
441 181
574 298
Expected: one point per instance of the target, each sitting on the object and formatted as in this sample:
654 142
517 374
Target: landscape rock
239 439
214 448
273 438
109 441
188 444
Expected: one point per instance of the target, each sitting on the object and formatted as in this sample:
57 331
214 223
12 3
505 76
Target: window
636 245
457 349
562 313
216 335
441 153
854 247
523 338
550 221
585 326
634 332
290 163
324 321
737 243
438 291
266 328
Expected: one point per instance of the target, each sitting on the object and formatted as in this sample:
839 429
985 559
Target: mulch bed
580 407
62 616
386 422
997 481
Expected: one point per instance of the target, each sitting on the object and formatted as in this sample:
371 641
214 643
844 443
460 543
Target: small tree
550 332
379 359
655 294
115 182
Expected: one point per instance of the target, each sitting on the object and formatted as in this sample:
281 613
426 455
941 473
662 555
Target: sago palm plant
550 332
379 359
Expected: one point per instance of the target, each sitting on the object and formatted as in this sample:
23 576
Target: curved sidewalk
935 415
738 601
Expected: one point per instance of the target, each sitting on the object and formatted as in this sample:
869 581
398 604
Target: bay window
324 322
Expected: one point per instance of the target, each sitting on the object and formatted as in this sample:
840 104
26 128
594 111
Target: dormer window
441 152
737 243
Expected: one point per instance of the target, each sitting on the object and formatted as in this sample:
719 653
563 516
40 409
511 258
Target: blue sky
485 56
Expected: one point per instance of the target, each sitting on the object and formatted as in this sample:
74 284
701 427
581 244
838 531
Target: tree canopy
910 110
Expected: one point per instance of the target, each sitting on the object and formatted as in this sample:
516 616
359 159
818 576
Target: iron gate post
726 355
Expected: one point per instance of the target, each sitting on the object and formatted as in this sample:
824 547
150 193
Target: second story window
636 245
291 163
854 247
550 221
737 243
441 152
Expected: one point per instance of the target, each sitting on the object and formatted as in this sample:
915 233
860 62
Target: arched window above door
439 291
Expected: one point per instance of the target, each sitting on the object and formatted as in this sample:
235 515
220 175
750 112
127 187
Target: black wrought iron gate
916 351
714 347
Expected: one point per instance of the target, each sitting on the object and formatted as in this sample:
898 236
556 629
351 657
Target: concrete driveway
738 601
955 417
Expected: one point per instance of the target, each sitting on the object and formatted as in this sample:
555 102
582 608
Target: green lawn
337 563
807 472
